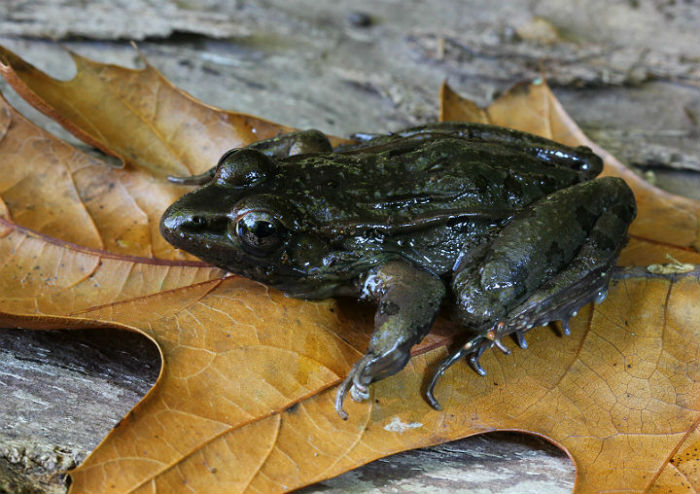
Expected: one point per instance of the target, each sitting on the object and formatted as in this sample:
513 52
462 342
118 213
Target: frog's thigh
408 300
580 158
549 260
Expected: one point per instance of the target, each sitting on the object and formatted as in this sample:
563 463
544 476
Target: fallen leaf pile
244 402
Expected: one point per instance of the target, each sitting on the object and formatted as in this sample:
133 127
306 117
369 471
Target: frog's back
408 181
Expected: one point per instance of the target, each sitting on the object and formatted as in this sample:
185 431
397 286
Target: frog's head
238 220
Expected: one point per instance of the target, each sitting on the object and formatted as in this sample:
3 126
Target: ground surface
628 72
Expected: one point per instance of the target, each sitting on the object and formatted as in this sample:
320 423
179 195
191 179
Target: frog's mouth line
217 249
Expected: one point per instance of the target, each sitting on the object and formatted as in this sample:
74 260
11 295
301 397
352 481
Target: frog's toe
520 339
498 343
474 363
478 351
444 365
474 348
340 397
495 335
359 392
357 383
565 329
430 398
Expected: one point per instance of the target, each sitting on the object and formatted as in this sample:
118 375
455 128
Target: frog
505 230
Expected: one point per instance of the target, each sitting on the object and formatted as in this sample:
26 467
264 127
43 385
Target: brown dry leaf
65 241
52 189
136 115
244 402
620 396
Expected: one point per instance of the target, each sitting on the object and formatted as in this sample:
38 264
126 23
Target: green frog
509 230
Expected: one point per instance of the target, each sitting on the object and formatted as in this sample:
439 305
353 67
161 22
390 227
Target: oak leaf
244 400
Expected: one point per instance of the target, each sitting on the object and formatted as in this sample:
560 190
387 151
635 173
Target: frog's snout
170 223
175 223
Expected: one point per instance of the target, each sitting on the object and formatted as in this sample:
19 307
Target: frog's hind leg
586 277
581 158
549 261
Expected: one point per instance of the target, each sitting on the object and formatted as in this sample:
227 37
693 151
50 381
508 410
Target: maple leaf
244 401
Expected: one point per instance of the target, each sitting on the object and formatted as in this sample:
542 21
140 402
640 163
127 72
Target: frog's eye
259 231
243 168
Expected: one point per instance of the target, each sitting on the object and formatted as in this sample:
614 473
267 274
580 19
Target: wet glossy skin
508 228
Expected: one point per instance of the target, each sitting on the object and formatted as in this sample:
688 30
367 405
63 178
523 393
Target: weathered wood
62 392
628 72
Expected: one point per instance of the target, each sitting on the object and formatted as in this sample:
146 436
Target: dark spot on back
585 218
603 241
555 254
388 308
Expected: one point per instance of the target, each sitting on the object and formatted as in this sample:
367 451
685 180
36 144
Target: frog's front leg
299 142
408 299
550 260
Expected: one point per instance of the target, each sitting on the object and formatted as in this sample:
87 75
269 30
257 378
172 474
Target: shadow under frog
509 229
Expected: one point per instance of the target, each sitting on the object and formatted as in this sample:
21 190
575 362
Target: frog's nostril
178 222
198 221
